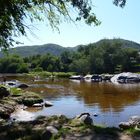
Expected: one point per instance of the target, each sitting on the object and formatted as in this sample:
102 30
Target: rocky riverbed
60 127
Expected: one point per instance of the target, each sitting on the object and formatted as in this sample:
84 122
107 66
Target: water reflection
108 96
113 103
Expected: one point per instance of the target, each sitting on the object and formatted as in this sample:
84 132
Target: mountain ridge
56 49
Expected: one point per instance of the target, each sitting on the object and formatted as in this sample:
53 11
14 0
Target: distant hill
125 43
57 49
38 49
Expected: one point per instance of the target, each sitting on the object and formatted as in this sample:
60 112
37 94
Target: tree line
93 58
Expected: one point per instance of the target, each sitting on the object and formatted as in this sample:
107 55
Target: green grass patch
132 131
15 91
62 133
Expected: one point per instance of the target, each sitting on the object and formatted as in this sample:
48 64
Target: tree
13 64
120 3
14 12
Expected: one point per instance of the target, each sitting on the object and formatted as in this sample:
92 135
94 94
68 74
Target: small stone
37 105
48 104
95 114
52 129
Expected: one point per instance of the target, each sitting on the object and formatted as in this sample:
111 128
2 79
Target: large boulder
30 98
85 118
31 101
4 92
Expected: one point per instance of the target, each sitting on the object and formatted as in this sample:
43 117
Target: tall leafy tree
14 12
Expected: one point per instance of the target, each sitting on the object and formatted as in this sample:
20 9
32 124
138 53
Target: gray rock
52 129
4 92
30 101
48 104
85 118
22 85
38 105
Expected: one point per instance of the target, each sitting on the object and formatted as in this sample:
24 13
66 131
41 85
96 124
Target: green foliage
63 74
132 131
105 56
13 64
120 3
50 63
14 12
15 91
37 50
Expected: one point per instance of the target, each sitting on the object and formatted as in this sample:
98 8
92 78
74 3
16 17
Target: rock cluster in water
9 100
125 77
133 122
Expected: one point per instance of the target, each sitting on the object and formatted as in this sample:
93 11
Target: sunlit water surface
112 103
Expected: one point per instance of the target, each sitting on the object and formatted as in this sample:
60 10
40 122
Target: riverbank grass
45 74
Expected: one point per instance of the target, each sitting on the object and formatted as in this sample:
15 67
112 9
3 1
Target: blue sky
116 23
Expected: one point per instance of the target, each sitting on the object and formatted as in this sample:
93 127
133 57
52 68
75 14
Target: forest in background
105 56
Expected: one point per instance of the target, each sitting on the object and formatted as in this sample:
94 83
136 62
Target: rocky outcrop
133 122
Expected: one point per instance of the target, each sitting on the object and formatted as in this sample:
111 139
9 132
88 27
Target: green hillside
123 42
38 49
57 49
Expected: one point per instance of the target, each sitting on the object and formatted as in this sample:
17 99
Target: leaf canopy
13 14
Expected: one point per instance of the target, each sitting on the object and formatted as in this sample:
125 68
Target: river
112 103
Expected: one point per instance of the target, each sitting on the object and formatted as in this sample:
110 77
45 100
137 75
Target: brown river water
112 103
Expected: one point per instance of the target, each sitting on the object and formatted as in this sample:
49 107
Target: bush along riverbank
45 74
55 127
